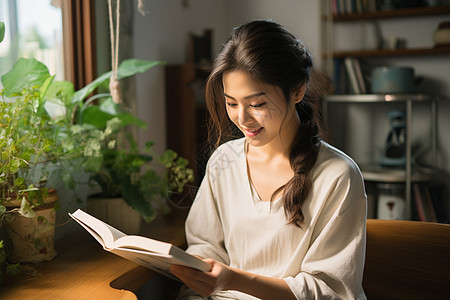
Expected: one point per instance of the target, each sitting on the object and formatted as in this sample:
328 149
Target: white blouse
322 260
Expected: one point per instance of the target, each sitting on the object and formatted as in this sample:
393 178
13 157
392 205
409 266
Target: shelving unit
329 19
389 175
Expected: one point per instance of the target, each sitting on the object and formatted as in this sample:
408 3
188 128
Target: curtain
79 41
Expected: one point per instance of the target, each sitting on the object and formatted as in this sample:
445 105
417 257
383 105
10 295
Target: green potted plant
32 148
130 177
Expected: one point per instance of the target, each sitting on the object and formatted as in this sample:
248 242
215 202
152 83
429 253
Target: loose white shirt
323 259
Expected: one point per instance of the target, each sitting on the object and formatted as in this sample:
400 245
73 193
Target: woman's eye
231 104
258 105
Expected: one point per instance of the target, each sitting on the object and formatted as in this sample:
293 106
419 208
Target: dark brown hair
270 53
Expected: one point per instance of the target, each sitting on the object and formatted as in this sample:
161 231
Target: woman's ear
299 93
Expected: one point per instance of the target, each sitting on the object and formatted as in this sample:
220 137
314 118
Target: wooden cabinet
186 115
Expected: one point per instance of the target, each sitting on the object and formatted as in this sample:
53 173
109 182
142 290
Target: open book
150 253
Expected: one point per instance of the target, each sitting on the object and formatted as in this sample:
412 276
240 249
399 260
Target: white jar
441 36
391 201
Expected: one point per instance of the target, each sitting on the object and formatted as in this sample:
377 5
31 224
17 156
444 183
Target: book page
143 243
102 232
158 263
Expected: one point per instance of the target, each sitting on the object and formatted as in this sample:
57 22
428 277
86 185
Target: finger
199 288
195 279
186 273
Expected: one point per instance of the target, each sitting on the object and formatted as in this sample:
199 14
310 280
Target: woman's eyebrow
246 97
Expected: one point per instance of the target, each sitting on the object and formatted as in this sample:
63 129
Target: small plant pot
33 239
115 212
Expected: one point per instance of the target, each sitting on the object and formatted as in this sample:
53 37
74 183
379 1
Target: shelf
398 13
392 175
369 98
395 52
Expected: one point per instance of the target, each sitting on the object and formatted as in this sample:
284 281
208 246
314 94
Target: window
33 28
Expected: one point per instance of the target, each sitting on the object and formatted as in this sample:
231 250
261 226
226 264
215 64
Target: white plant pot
115 212
33 239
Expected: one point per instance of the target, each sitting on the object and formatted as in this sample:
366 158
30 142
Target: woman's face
259 110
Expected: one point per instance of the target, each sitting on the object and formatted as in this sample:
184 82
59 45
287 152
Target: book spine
419 203
359 76
438 196
352 75
428 205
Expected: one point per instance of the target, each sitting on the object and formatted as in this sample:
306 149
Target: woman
280 213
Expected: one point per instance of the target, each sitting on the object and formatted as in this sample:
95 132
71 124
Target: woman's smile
252 132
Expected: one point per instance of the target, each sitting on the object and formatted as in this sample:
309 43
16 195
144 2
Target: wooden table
83 270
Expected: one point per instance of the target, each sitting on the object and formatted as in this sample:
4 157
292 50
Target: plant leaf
61 90
45 86
25 74
93 115
2 31
136 200
25 209
127 68
81 94
131 67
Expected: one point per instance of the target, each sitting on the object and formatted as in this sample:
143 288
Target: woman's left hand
205 283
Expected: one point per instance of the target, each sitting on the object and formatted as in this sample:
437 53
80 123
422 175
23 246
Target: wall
162 34
301 17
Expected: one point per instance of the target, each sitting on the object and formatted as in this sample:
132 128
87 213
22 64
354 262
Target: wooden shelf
370 98
395 175
398 13
396 52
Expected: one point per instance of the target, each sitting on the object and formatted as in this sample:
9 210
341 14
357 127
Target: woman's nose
244 117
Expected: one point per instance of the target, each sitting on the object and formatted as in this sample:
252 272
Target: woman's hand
205 283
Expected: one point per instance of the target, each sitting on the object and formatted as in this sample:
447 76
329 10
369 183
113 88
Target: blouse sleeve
204 231
333 265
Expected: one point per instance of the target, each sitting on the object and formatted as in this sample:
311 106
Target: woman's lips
253 132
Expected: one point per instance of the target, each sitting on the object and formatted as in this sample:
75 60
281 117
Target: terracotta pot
115 212
32 239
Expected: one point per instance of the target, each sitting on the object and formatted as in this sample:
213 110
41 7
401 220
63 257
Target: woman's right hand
205 283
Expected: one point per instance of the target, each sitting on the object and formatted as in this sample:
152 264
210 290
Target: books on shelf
355 75
156 255
348 7
345 7
429 203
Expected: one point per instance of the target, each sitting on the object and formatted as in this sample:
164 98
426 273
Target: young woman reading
280 213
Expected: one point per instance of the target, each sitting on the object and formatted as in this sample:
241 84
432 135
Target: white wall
300 16
163 35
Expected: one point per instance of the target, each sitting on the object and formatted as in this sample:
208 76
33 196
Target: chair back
407 260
